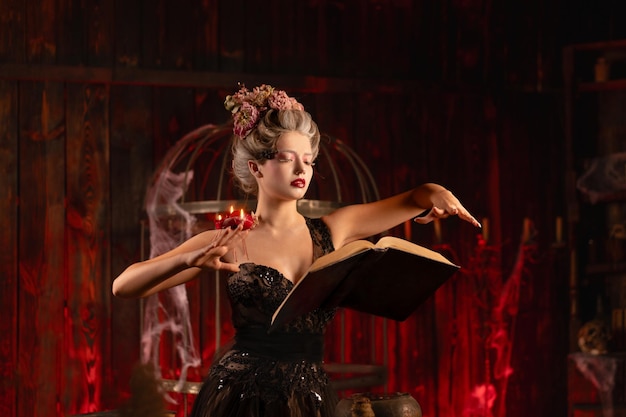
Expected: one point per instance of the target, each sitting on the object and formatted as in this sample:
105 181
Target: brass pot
398 404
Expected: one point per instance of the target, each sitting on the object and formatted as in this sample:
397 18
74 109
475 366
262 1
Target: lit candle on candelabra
485 229
526 234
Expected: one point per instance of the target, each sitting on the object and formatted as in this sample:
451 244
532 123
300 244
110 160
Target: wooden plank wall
93 94
9 260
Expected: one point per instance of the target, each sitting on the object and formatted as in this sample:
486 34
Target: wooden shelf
610 85
616 45
582 65
606 268
595 406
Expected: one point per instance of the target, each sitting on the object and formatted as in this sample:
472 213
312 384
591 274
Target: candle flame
241 213
231 209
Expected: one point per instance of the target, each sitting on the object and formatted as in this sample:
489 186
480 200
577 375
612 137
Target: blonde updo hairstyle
262 141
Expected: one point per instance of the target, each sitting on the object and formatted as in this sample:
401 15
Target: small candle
437 225
234 219
526 232
559 229
573 271
485 229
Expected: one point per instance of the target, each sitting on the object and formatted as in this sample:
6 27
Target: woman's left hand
445 204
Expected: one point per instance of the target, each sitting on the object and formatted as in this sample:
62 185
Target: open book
390 278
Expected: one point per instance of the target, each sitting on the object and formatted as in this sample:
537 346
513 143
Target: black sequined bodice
277 368
256 291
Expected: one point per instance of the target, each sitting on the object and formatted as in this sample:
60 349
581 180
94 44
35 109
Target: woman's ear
254 168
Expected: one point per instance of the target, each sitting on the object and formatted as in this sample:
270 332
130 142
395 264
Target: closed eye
307 163
290 156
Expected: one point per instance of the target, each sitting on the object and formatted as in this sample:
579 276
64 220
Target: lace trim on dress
322 240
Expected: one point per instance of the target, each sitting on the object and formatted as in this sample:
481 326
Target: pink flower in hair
260 95
247 107
279 101
295 105
245 119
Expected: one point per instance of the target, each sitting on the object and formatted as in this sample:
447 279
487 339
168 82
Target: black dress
277 374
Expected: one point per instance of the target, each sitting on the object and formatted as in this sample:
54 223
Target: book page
405 245
344 252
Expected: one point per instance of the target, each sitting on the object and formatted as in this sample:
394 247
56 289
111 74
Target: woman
274 149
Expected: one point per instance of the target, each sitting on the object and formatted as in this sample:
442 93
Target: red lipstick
300 183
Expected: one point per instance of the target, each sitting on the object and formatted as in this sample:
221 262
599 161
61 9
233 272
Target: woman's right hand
210 256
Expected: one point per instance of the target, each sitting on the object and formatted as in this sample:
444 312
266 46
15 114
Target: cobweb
605 178
171 315
170 225
600 370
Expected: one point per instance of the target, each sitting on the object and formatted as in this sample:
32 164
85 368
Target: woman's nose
299 167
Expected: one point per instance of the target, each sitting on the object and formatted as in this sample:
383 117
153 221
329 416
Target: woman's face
287 176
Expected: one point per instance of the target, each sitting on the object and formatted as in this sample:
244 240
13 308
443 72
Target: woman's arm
363 220
181 264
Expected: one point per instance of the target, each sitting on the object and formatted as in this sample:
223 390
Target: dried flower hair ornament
247 107
267 154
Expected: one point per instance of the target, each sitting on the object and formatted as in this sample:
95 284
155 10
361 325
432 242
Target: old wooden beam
201 79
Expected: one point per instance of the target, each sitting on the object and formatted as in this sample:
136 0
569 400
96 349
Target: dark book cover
384 281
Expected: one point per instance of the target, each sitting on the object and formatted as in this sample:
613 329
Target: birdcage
190 187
